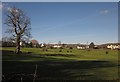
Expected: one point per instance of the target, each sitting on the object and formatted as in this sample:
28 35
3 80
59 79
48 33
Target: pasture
60 64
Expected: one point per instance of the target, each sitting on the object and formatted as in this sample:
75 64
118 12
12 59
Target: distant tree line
10 42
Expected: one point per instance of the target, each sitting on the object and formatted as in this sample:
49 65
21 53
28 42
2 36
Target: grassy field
60 64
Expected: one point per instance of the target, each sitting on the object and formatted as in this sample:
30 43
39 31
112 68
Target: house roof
34 41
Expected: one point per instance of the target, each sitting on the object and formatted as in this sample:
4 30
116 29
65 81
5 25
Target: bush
61 47
60 50
70 51
67 51
71 48
106 52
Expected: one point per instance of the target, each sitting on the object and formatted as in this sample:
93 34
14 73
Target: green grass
74 65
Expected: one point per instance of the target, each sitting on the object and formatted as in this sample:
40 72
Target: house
56 46
42 45
82 46
22 43
111 46
35 43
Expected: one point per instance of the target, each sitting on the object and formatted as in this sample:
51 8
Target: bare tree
19 25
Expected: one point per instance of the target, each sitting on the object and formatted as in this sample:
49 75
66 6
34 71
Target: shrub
61 47
51 47
106 52
60 50
71 47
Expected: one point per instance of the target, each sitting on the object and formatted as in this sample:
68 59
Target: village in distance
7 42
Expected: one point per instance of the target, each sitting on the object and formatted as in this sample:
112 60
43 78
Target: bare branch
19 23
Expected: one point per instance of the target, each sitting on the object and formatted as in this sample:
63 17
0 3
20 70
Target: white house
42 45
83 46
112 46
80 47
21 43
56 46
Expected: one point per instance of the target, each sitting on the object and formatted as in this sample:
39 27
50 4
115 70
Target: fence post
35 74
21 79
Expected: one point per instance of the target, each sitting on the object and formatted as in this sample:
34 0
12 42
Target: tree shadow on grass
53 69
9 52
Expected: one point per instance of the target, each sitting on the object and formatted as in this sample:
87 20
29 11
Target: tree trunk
17 51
